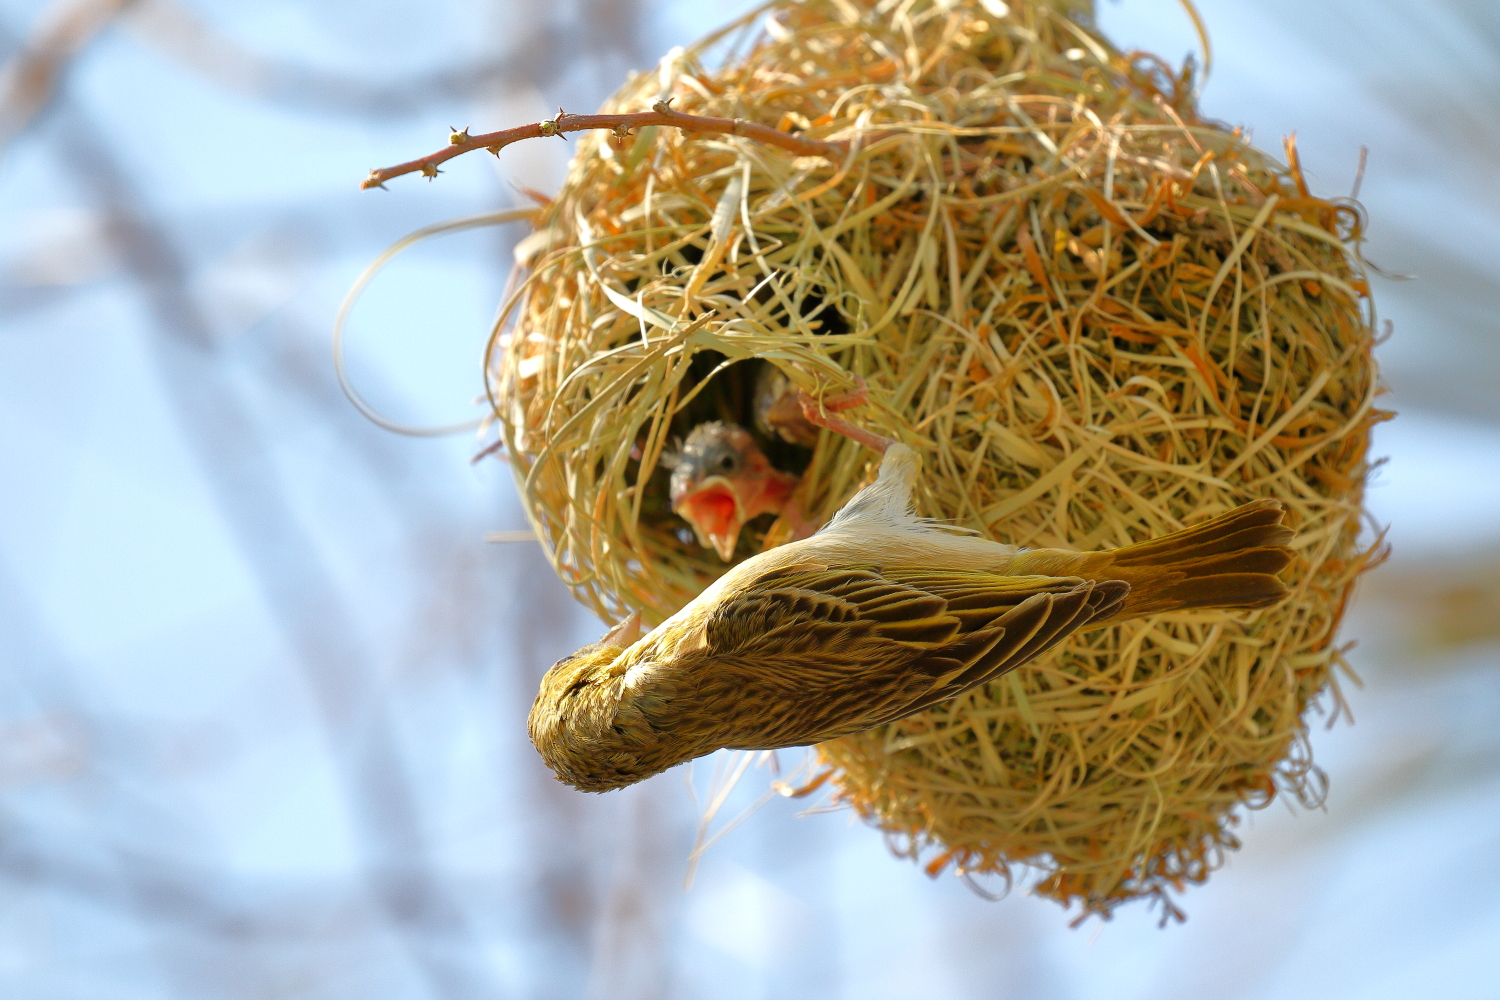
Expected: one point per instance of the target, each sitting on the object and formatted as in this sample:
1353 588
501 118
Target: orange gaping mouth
714 512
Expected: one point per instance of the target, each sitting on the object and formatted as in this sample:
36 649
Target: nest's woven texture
1097 317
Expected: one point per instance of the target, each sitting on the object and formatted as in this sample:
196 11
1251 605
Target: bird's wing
808 653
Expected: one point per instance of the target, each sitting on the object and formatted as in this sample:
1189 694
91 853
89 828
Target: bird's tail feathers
1229 561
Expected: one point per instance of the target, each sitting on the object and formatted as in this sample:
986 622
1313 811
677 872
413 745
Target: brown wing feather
807 654
1030 629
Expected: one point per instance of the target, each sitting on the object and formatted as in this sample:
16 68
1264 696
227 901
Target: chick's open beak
716 512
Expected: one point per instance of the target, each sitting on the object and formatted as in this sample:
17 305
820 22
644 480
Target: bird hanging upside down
879 615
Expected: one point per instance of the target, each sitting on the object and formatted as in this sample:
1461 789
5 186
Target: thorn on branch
457 137
430 170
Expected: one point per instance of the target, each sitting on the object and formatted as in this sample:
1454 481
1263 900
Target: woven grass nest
1095 315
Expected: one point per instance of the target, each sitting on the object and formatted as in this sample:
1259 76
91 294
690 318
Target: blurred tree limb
236 464
1440 605
179 33
29 77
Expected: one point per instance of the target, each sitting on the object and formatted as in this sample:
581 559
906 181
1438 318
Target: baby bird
722 479
877 616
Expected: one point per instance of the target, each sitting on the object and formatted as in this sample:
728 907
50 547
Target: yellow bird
877 616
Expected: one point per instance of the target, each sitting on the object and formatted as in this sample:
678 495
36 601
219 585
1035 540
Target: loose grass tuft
1098 318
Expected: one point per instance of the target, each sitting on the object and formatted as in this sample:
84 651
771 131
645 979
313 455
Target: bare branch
660 114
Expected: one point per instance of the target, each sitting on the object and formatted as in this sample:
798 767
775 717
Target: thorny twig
661 113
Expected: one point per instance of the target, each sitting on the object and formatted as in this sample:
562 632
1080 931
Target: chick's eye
727 463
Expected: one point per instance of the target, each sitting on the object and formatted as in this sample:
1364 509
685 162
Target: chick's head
722 480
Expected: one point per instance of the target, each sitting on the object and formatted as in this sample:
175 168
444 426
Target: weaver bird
722 479
879 615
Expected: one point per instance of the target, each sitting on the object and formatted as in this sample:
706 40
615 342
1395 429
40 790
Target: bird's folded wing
808 653
1035 613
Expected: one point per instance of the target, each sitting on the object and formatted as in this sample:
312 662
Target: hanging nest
1096 316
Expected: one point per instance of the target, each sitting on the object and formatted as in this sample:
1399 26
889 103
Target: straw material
1097 317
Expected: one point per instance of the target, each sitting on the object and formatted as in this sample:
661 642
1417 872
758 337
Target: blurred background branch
29 75
181 35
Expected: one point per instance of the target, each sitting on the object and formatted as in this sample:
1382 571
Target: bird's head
583 724
722 479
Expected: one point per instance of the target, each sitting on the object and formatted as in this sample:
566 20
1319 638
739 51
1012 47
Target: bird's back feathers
886 501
